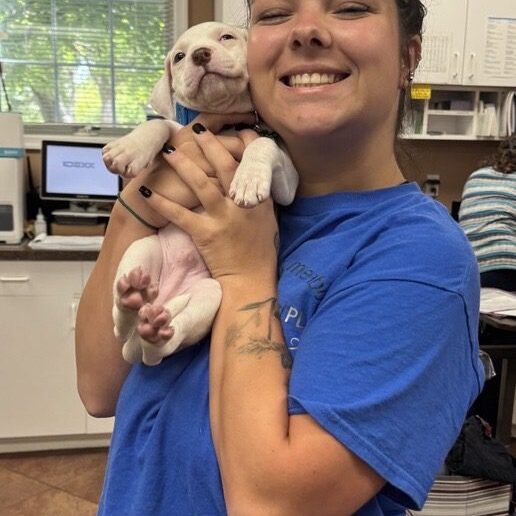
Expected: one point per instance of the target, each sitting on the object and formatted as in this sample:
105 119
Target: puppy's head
206 70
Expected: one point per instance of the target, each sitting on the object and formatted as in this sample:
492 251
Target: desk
502 345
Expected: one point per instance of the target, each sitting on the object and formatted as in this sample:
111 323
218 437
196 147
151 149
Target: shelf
447 112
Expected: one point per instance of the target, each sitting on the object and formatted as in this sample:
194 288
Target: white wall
231 11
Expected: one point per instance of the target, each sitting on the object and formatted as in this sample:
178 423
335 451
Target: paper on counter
497 302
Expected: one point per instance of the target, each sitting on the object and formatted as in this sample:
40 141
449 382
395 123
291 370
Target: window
94 62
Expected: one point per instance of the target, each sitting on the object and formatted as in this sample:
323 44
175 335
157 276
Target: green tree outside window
75 61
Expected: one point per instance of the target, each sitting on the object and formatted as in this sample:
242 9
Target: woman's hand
234 242
166 182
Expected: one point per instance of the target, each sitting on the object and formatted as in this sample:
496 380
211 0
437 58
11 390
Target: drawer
27 278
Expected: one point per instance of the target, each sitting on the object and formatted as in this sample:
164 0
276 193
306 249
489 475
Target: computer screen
74 171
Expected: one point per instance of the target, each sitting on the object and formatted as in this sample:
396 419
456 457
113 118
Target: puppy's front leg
252 180
129 155
265 167
284 178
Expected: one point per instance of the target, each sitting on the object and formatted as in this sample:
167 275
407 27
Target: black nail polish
198 128
145 191
168 149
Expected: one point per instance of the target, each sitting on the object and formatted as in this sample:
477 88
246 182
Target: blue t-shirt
379 300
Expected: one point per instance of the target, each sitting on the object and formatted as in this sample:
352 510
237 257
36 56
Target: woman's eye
178 57
270 17
353 9
225 37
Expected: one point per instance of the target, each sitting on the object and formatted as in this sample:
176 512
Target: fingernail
198 128
145 191
168 149
241 126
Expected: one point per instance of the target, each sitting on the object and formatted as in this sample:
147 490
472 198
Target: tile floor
65 483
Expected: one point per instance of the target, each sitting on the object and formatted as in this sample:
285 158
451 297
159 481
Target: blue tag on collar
185 115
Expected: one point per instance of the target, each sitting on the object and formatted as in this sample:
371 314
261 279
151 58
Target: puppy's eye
178 57
225 37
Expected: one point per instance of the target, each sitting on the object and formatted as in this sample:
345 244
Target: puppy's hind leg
182 321
135 283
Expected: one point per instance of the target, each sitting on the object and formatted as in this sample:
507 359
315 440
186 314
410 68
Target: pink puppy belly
182 263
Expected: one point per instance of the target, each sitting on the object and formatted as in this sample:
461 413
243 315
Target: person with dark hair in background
344 357
488 216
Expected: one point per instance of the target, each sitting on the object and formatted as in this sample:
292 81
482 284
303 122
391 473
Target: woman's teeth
313 79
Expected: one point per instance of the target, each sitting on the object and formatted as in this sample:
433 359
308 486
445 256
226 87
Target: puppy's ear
161 96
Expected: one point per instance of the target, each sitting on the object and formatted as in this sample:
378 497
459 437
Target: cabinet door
490 51
37 369
443 42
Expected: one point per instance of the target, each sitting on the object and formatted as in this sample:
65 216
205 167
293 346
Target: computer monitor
75 172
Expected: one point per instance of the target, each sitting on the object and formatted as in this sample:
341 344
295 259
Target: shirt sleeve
389 368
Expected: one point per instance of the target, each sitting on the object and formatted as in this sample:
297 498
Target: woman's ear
410 61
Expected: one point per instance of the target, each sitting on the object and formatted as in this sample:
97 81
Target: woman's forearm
272 463
249 369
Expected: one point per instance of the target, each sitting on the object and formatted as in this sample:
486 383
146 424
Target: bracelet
135 215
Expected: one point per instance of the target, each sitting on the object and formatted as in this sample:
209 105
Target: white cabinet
490 45
37 368
39 400
443 42
469 42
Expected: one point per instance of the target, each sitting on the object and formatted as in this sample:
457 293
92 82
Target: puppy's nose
201 56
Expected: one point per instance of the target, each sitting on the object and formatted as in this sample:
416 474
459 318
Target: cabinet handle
472 65
456 56
14 279
73 315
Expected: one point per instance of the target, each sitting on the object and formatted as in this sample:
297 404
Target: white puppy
206 71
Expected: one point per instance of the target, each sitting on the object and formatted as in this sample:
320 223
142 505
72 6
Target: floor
56 483
62 483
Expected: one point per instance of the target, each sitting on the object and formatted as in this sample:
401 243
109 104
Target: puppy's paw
251 186
135 289
127 157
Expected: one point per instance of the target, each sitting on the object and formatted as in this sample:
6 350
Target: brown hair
504 159
410 14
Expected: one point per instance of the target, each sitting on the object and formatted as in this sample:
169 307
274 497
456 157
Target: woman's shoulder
421 242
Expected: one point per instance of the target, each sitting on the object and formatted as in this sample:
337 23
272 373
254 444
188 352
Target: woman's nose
309 34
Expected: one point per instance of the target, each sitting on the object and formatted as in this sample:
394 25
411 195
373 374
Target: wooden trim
199 12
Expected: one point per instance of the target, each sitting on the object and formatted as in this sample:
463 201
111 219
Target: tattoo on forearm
259 345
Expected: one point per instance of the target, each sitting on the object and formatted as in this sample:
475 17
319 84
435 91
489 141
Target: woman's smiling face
320 66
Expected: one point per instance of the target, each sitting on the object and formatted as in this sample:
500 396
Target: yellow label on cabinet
421 92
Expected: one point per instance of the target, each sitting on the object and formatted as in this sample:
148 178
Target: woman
377 298
488 217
